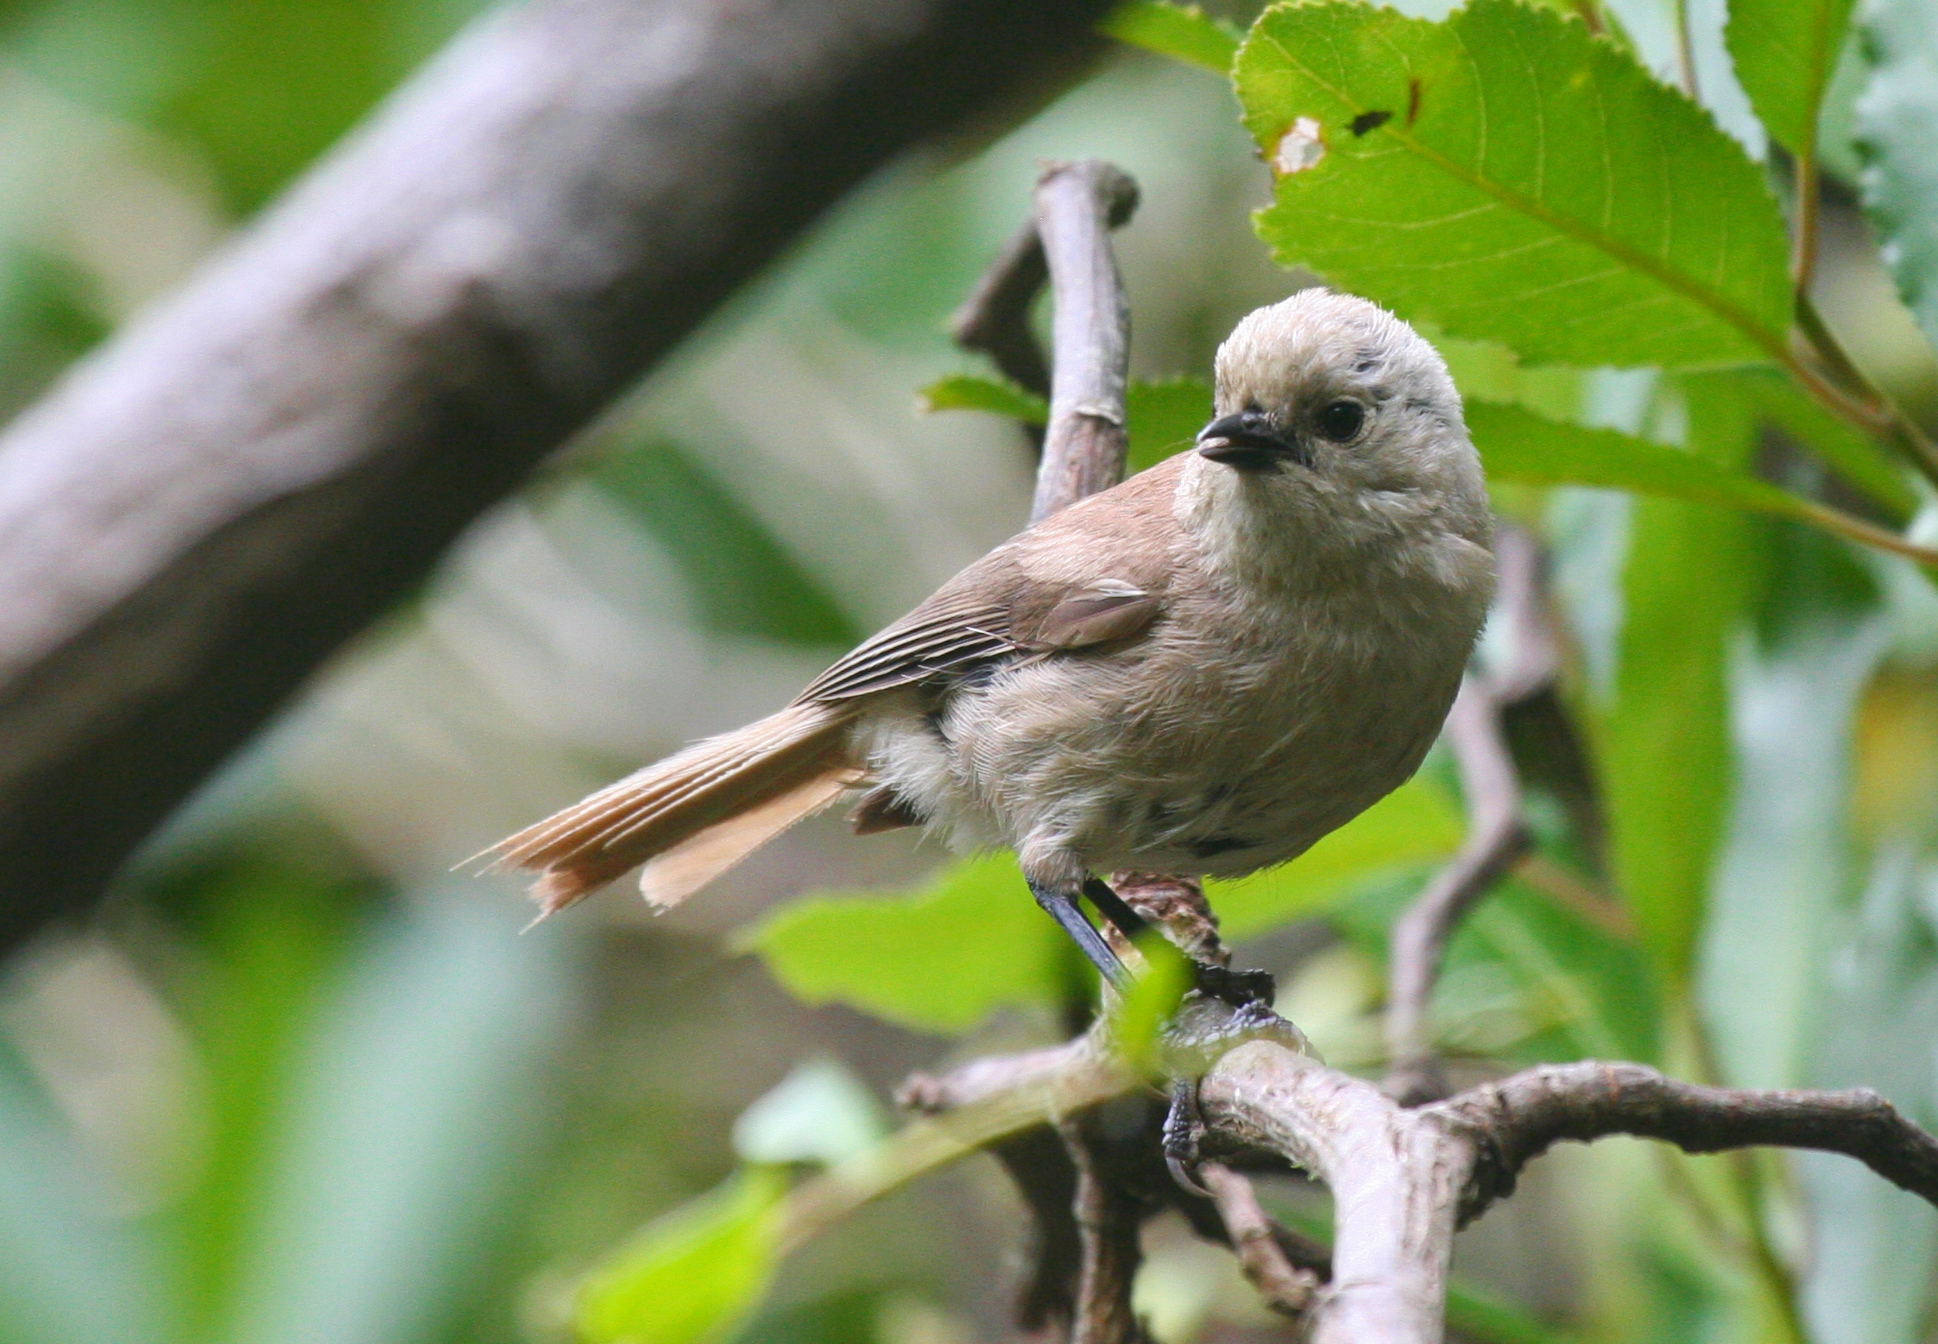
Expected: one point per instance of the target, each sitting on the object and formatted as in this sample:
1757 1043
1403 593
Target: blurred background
302 1082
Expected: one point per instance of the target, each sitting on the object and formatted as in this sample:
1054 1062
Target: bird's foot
1204 1029
1184 1130
1238 988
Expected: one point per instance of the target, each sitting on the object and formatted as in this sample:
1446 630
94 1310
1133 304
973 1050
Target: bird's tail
693 815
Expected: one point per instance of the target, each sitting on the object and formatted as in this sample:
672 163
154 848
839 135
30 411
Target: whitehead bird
1201 671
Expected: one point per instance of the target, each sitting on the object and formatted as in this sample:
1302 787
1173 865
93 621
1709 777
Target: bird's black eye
1341 421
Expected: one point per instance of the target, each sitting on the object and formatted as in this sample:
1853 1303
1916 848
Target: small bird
1200 671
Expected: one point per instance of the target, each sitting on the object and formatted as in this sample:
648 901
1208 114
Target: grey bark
1084 444
205 509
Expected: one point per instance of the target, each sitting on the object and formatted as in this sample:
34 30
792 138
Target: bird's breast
1230 738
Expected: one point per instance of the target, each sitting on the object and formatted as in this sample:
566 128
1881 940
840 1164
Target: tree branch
995 319
1395 1183
1108 1221
1497 833
207 507
1084 444
1518 1118
1280 1268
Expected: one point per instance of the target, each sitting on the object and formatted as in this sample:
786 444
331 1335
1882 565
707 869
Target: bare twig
1084 444
1286 1286
1039 1165
1084 1233
1084 447
995 319
1497 838
1497 833
1520 1117
1108 1220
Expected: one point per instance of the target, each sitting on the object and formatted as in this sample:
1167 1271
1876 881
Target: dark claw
1184 1126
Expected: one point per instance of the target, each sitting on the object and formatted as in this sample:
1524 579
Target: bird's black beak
1249 441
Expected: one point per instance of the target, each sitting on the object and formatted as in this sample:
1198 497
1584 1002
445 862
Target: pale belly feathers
1110 758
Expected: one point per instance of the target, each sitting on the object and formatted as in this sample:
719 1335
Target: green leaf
1485 371
1785 52
1479 1315
1662 734
692 1275
1153 998
820 1113
1853 455
1588 994
743 581
1182 32
1526 979
966 392
1775 891
1518 445
1510 178
1415 826
1897 130
269 943
270 85
1877 1245
880 953
1164 418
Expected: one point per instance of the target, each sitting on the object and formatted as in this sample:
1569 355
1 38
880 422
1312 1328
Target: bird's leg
1063 908
1236 988
1116 909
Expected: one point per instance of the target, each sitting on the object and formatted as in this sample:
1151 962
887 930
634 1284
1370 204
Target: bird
1200 671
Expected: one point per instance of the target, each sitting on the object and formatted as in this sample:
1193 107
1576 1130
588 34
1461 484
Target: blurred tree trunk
207 507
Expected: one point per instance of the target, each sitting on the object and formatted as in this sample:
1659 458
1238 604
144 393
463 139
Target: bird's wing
1109 609
1092 574
951 633
945 634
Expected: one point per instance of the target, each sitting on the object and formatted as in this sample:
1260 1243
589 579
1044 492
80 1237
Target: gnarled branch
206 508
1520 1117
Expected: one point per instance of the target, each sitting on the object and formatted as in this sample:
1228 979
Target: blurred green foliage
694 1274
295 1088
880 953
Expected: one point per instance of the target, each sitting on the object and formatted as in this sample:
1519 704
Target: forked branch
1517 1119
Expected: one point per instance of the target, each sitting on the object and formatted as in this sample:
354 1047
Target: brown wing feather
1095 618
1093 573
943 634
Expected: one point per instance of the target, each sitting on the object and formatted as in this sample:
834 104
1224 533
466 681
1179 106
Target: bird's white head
1332 410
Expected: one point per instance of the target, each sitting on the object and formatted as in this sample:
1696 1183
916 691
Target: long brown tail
693 815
